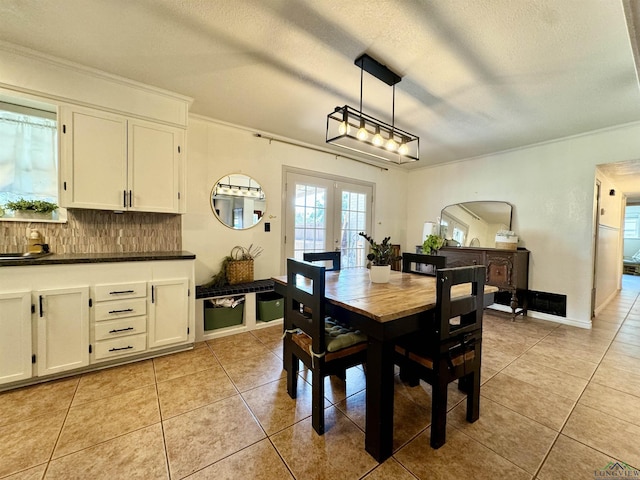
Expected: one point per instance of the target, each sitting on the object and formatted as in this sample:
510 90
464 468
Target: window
632 222
453 229
28 153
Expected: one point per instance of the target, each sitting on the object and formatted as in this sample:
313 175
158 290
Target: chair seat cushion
340 340
339 336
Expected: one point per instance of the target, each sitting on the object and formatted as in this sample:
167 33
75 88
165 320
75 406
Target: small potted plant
32 209
381 256
432 244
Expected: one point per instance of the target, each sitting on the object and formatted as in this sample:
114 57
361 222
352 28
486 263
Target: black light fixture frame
378 70
353 120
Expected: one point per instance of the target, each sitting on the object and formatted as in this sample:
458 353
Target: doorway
326 213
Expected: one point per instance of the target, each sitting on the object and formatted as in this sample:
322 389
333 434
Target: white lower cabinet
119 320
168 319
63 329
59 319
15 337
117 347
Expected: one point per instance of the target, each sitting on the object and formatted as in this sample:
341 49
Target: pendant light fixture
352 129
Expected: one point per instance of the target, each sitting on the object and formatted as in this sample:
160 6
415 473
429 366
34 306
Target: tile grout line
164 438
581 394
53 449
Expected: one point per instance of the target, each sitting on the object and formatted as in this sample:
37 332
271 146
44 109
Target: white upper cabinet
111 162
154 167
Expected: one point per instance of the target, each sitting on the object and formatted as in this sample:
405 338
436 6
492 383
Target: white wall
215 150
551 187
609 253
30 72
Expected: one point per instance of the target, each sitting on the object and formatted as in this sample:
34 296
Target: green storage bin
221 317
270 306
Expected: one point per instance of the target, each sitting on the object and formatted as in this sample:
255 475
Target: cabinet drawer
120 346
120 328
462 258
117 291
120 309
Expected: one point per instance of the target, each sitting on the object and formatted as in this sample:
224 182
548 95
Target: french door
324 214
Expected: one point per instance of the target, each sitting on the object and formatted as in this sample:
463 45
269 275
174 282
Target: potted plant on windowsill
381 256
32 209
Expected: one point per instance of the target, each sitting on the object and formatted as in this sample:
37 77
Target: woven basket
507 245
240 271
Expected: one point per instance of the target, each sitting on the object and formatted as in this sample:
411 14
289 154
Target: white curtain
28 157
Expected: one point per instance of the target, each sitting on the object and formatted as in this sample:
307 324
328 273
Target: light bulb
344 128
391 145
377 139
362 132
403 149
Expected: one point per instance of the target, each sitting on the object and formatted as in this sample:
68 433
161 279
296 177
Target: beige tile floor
557 402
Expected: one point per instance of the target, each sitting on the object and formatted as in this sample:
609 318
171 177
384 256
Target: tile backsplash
97 231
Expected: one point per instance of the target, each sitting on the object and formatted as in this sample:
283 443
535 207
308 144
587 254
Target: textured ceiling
479 76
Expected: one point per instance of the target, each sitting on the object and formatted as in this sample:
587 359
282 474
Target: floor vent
543 302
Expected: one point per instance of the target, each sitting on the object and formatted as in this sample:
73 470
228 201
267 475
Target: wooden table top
404 295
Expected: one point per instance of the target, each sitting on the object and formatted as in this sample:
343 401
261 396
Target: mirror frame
468 208
253 185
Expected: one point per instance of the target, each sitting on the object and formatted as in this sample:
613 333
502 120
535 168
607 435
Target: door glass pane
353 221
310 219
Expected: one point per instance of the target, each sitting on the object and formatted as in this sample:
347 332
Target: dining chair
431 262
449 347
323 257
325 346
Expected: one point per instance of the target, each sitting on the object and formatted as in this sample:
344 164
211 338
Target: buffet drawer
118 291
462 258
120 309
120 327
120 346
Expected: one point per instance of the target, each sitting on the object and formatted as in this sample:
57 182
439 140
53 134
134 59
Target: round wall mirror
238 201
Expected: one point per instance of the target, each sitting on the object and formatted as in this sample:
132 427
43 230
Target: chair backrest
305 307
469 308
324 256
431 263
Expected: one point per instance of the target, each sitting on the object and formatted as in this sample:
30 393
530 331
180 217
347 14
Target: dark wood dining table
384 312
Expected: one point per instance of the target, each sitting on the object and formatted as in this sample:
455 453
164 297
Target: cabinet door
15 336
63 329
168 312
500 270
154 167
94 158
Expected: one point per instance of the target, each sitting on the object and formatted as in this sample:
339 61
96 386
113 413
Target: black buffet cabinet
506 269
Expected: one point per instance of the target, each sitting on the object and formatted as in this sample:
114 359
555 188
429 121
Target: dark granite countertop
71 258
